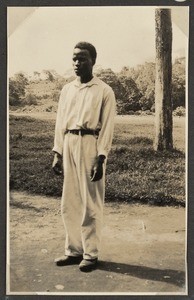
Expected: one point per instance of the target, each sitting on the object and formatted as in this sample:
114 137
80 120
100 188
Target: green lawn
135 172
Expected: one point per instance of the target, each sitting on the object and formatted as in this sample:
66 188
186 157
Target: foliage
17 86
14 100
56 95
36 75
179 111
144 77
178 83
132 94
126 92
134 171
49 75
60 82
134 88
146 103
30 99
109 77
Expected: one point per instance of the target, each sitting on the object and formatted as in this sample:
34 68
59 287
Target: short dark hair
87 46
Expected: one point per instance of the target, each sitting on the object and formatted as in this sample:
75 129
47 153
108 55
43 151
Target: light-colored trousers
82 200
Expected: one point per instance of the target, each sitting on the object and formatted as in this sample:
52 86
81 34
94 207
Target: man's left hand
97 170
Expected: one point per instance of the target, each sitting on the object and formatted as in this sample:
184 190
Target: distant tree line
134 87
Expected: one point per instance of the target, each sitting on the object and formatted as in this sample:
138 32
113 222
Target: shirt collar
93 81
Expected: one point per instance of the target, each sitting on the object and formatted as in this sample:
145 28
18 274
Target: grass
135 172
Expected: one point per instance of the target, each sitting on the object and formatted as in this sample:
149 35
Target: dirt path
143 250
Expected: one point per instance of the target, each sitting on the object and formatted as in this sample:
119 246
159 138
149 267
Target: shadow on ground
142 272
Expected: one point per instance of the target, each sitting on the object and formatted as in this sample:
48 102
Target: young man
83 137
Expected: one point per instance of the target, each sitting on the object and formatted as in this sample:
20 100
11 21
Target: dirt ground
143 250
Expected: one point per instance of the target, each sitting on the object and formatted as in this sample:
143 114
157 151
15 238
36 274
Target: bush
146 112
130 112
153 108
137 113
49 108
55 96
146 103
30 99
179 111
17 87
13 101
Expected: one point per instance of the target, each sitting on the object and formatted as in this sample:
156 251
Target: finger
98 176
93 175
57 170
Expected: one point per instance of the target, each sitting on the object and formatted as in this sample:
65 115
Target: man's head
84 58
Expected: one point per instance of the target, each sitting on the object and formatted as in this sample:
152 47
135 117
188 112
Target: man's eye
81 59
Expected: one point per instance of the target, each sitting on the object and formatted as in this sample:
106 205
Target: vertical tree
163 101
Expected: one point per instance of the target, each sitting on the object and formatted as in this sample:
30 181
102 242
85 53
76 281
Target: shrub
49 108
153 108
146 112
146 103
130 112
30 99
17 87
179 111
13 101
55 96
137 113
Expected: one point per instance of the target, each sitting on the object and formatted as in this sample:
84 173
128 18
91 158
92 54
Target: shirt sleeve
108 112
59 132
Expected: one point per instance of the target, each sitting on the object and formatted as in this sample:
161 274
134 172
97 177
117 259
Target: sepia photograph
97 140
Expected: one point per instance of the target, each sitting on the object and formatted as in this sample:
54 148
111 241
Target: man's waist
83 131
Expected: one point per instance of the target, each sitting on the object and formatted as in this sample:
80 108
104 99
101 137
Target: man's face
82 62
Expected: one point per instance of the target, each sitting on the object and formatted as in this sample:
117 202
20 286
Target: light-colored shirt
88 105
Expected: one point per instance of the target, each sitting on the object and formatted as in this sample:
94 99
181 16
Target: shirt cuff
58 150
103 152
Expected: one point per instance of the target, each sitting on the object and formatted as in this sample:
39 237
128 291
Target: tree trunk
163 101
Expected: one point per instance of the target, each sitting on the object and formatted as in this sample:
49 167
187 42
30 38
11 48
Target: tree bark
163 100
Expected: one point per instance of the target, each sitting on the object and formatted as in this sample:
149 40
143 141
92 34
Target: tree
36 75
49 75
178 83
163 101
108 76
132 94
126 91
144 78
17 87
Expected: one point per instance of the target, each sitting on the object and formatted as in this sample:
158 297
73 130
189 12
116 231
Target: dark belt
83 131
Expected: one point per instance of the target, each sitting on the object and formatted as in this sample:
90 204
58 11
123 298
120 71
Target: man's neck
85 79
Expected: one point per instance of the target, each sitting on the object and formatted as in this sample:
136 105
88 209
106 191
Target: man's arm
104 141
59 133
105 135
57 165
97 170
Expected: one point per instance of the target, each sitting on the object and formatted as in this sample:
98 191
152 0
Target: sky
44 37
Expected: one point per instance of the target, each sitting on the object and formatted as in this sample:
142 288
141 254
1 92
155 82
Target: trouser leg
71 204
82 200
92 194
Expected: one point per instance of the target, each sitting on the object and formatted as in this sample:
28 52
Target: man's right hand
57 165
